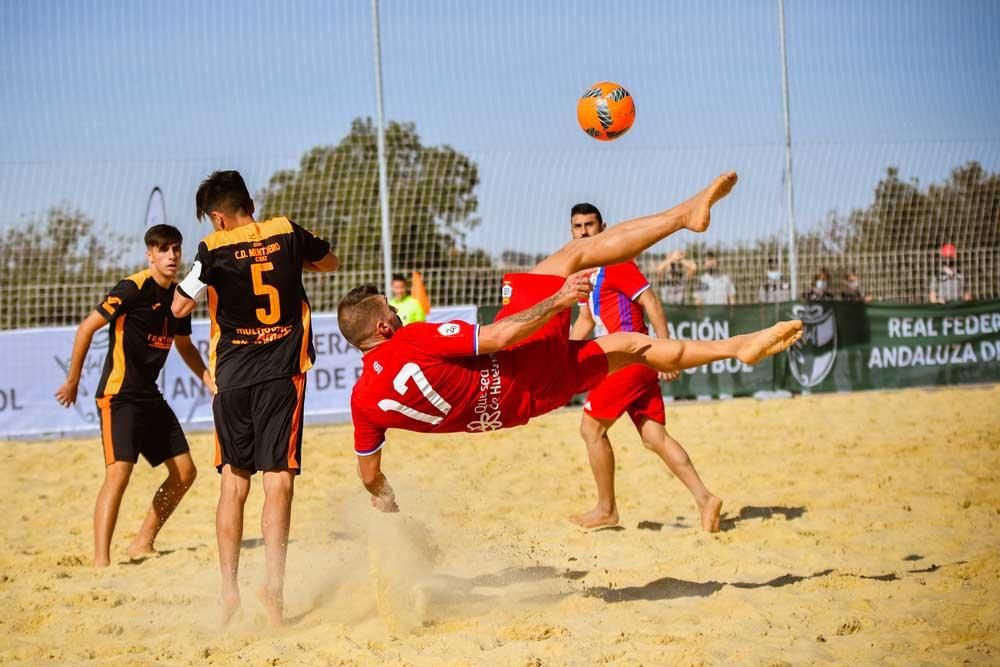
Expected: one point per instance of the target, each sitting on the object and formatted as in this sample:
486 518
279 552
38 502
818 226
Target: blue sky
104 99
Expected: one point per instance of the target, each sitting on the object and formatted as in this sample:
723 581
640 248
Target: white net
105 100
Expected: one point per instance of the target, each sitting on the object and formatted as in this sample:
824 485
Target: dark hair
223 191
162 237
709 255
398 276
356 313
586 209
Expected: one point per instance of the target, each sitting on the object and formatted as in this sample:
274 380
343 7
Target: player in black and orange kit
261 347
135 419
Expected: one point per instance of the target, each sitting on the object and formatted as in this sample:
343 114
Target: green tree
898 235
964 210
53 266
432 199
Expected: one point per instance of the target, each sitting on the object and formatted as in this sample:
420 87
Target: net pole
383 176
789 191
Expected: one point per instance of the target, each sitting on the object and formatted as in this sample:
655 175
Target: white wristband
192 285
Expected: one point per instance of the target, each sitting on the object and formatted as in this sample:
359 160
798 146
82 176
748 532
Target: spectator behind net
820 289
949 285
714 287
774 289
853 291
407 307
676 272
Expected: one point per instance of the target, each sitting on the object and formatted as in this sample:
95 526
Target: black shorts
259 428
132 426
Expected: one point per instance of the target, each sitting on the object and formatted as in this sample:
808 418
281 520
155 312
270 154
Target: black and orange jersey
142 331
261 321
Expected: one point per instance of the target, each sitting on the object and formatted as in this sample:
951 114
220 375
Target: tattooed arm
515 328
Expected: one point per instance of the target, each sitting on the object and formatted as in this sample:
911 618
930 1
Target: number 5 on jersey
411 370
272 313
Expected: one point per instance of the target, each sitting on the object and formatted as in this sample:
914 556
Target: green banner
856 346
846 346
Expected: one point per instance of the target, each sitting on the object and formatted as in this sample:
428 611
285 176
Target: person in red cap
949 285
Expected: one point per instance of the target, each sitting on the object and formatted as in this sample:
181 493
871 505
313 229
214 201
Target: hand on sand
699 213
768 342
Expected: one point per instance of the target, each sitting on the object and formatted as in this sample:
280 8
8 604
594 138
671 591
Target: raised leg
233 491
279 487
602 464
626 240
181 474
109 500
657 440
670 354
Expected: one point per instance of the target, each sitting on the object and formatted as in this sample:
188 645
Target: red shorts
633 389
553 366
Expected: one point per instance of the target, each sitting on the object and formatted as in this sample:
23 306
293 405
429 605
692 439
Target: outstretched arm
189 353
370 471
515 328
66 394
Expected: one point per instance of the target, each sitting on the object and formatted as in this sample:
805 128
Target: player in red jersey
459 377
621 301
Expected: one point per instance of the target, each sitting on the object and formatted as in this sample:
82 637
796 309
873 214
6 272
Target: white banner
33 365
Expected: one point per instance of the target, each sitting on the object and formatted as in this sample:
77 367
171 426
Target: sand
858 529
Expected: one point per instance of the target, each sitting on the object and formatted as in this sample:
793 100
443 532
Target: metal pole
793 264
383 176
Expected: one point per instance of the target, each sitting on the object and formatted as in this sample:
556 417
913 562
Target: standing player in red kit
460 377
621 301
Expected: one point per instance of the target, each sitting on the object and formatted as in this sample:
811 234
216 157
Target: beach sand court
857 529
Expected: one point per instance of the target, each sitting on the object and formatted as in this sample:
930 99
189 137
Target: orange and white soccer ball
606 111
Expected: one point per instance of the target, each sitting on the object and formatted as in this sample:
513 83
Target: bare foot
710 512
230 605
763 344
101 562
700 216
139 551
596 518
274 604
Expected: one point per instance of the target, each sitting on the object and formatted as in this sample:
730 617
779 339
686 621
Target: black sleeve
313 247
118 300
183 327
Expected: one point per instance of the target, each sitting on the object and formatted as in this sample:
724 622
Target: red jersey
612 302
431 378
